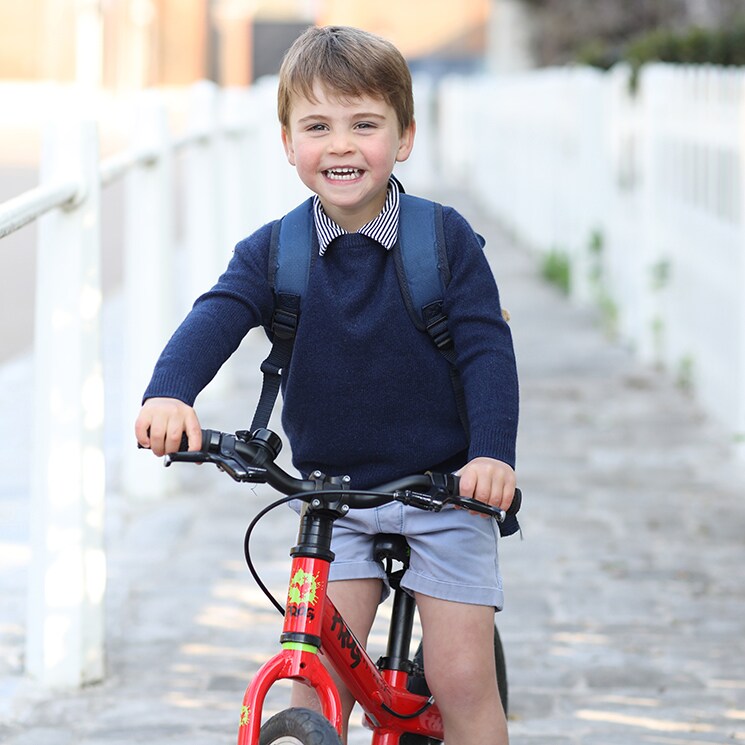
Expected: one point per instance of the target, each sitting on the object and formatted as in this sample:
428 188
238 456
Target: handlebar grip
517 499
207 438
517 502
184 444
210 441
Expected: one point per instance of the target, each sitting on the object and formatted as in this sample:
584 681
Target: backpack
423 274
421 267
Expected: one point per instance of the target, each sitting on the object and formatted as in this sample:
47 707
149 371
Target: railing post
150 280
739 433
281 189
236 172
67 573
260 189
653 342
207 252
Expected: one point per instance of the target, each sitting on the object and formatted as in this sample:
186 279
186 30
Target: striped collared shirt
383 228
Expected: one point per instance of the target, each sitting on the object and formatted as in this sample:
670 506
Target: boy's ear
287 144
406 142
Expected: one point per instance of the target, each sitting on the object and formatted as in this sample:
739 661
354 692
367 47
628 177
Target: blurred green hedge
696 45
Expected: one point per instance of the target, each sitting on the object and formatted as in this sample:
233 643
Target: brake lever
233 467
435 503
421 500
474 505
447 486
182 456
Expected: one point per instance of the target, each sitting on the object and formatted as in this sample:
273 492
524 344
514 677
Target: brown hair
349 63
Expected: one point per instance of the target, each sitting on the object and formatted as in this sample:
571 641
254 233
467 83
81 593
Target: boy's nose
340 142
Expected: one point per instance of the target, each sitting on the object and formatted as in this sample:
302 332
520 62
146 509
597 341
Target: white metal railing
224 149
67 570
644 193
27 207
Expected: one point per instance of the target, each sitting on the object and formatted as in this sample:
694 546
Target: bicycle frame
312 620
312 623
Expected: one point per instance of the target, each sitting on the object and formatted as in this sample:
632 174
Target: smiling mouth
343 174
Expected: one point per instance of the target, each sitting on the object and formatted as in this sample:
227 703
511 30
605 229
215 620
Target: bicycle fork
301 641
310 619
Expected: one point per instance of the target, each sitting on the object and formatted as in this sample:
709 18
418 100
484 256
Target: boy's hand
161 423
488 480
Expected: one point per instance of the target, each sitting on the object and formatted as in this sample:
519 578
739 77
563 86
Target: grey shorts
453 552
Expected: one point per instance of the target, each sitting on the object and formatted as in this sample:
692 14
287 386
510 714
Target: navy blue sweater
367 394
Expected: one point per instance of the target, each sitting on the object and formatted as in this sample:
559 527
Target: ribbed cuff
493 442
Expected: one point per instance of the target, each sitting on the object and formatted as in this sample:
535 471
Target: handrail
28 206
32 204
23 209
198 137
116 166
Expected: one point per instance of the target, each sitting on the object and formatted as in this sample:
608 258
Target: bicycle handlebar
249 457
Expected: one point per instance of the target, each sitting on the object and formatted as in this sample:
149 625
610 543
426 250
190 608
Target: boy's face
344 151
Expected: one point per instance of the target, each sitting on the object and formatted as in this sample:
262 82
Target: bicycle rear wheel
298 727
418 684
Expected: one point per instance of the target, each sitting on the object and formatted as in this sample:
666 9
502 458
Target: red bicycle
393 694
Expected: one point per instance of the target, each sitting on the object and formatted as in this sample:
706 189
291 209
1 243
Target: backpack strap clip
436 324
285 316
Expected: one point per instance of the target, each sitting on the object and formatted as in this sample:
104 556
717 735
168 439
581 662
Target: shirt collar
383 228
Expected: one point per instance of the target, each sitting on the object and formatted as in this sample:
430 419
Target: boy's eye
365 125
316 127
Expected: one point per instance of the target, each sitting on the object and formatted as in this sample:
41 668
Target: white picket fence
643 193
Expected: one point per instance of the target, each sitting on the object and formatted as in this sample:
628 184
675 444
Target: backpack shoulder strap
289 263
421 261
423 274
289 251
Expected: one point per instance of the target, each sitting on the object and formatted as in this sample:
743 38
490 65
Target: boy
366 393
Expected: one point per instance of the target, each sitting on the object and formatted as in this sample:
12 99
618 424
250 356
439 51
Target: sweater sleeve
218 321
483 344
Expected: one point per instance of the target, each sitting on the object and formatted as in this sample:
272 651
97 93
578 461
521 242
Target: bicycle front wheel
298 727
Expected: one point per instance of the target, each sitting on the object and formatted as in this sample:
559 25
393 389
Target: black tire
417 683
298 727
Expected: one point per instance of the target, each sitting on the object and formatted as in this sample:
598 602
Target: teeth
343 174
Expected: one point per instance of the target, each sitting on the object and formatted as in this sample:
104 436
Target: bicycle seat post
396 662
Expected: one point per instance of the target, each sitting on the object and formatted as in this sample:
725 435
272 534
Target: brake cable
247 550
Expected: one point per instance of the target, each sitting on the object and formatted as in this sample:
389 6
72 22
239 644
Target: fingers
488 480
142 429
162 422
193 431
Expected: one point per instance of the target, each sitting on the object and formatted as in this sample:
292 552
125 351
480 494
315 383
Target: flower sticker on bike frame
303 588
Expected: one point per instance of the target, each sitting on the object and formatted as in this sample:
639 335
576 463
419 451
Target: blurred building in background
126 44
130 44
